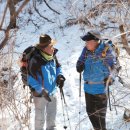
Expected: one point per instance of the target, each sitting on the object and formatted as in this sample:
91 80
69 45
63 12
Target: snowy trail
70 47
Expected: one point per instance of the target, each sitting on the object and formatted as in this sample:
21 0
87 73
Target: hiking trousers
45 110
96 106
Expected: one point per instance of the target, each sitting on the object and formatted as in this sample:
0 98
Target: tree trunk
124 39
11 6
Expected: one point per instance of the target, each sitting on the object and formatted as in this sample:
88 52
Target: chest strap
90 82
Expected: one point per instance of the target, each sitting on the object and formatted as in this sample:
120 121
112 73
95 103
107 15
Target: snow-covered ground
70 47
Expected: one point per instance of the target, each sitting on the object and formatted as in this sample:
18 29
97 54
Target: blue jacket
47 79
96 68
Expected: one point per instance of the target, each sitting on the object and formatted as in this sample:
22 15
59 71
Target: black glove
60 81
80 68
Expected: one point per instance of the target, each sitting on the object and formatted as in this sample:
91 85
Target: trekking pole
62 93
65 126
80 77
108 91
63 99
80 85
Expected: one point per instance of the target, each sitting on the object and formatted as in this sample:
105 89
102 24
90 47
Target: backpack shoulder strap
35 63
104 52
57 62
55 58
31 51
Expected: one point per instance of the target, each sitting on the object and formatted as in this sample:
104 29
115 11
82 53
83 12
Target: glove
80 68
60 81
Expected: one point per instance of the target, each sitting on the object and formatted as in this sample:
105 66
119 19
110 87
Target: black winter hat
91 35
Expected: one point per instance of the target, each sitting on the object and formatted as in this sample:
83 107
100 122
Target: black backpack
25 60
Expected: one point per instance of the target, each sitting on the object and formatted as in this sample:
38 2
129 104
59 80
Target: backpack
27 54
108 44
115 49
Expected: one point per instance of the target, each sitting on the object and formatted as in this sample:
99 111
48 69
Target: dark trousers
96 106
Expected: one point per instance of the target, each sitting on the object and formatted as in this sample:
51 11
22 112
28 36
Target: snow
70 47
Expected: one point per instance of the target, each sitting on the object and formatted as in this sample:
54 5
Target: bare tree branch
16 1
11 6
4 41
97 10
51 7
4 15
21 7
80 20
34 4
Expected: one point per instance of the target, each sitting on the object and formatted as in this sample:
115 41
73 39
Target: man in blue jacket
96 68
44 75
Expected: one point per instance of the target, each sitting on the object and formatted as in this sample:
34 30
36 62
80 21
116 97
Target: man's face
91 45
49 49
